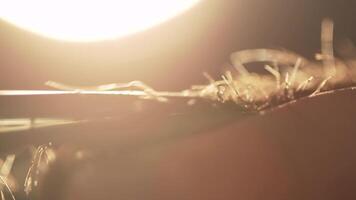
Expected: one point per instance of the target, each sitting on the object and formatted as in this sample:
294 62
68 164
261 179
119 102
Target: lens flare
80 20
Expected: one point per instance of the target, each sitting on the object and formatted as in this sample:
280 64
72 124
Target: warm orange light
82 20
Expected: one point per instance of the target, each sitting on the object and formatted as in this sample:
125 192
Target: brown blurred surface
305 151
301 151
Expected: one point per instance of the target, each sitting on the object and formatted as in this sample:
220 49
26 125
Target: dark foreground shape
305 150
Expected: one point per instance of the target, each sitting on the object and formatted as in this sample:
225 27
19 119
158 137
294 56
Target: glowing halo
81 20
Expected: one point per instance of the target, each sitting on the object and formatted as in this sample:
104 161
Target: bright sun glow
89 20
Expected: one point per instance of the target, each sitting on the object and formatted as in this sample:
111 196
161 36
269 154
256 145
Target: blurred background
198 40
261 161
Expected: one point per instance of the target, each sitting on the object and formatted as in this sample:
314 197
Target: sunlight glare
81 20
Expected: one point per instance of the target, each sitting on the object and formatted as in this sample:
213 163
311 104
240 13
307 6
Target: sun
90 20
